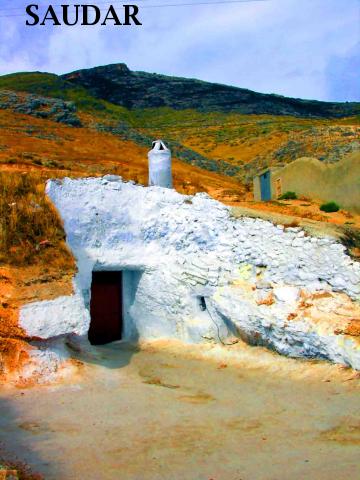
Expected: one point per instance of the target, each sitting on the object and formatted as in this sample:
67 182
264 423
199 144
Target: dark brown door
105 307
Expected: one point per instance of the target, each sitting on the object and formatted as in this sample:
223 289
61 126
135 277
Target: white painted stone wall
53 318
174 249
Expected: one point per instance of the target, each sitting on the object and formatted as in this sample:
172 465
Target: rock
307 276
263 285
298 242
286 294
338 282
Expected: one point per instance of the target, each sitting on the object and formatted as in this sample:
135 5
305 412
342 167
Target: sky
298 48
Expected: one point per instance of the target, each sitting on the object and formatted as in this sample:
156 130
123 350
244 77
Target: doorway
265 186
106 308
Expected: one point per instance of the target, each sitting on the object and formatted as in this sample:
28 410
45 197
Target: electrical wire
99 3
217 328
109 2
201 3
194 4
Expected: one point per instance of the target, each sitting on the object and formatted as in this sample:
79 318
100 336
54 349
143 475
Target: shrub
50 163
288 196
351 240
330 207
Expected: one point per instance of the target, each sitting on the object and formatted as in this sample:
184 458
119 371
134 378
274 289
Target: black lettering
114 16
66 15
29 11
132 15
52 17
86 14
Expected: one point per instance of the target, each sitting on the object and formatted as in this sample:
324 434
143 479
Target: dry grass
351 240
30 228
254 142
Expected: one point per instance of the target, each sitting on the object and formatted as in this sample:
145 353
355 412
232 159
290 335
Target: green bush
330 207
288 196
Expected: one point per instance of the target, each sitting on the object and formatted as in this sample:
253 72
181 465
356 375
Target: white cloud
72 48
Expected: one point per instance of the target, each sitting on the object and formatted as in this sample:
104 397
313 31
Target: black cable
102 3
217 328
163 5
61 4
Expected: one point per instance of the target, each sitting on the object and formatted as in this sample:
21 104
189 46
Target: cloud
281 46
73 48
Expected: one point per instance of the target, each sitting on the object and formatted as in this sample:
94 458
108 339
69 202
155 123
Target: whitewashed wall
175 248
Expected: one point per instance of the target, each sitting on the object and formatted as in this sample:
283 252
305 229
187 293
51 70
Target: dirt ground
178 412
301 210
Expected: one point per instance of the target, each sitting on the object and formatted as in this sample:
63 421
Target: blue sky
298 48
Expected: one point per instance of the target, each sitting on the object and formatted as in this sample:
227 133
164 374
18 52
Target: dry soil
178 412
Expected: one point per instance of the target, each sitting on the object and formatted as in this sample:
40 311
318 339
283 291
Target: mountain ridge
119 85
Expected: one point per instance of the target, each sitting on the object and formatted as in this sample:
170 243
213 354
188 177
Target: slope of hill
121 86
227 142
250 143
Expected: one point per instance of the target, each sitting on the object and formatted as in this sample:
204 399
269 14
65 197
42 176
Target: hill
121 86
227 130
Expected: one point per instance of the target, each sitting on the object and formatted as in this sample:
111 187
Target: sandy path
170 414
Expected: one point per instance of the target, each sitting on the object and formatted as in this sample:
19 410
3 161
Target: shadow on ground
16 445
113 355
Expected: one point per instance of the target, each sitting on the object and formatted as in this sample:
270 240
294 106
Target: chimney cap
158 145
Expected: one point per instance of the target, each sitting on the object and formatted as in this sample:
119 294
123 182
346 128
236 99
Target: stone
297 242
338 282
286 294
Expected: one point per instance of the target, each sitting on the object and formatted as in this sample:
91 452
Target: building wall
175 249
339 182
256 188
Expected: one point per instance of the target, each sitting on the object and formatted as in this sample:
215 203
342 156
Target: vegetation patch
30 228
16 470
330 207
41 107
351 240
288 196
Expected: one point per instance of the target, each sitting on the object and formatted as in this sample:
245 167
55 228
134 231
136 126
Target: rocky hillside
221 129
119 85
40 107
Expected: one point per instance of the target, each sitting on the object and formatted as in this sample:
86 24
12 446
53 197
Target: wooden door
105 307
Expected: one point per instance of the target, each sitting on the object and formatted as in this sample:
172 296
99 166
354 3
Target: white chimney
160 165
